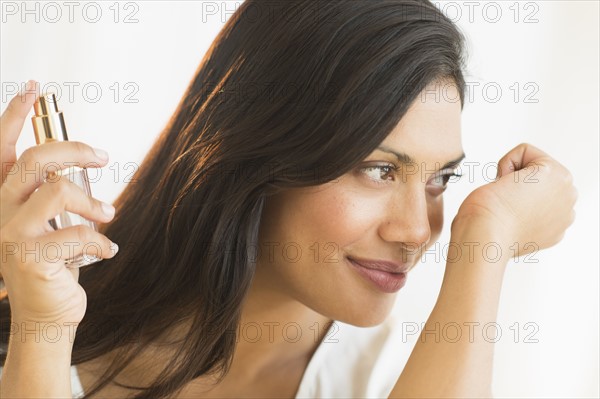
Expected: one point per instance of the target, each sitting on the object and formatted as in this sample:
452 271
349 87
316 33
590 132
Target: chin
369 315
370 320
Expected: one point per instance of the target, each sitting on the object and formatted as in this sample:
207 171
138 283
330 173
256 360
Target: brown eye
378 173
441 180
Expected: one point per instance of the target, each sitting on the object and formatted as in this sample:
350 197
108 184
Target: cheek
311 230
339 216
345 215
319 219
323 225
332 219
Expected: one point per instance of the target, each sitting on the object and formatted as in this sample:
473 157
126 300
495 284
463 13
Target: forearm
38 369
459 364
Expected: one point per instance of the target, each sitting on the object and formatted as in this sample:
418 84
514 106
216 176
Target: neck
277 337
277 334
276 329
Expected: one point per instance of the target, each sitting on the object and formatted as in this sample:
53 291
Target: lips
383 265
385 281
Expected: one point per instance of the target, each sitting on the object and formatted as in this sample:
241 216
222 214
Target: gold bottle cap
48 122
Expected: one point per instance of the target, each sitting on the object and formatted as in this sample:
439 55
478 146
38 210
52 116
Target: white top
365 362
350 362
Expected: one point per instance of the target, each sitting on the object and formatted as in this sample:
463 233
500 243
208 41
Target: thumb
11 123
518 158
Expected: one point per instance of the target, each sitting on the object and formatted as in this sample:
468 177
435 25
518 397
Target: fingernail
28 88
114 248
103 155
108 209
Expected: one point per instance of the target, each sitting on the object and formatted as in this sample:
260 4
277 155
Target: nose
407 220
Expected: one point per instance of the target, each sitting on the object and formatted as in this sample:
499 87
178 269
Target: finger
52 199
11 124
70 242
36 162
53 251
518 158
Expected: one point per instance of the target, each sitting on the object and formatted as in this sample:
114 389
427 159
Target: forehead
431 128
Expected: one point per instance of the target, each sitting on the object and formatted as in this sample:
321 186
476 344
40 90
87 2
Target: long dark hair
292 93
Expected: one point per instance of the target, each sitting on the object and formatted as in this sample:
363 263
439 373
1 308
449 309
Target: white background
549 49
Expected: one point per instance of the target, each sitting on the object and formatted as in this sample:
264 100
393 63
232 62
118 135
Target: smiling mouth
385 281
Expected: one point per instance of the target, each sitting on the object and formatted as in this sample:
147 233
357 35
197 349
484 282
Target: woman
299 180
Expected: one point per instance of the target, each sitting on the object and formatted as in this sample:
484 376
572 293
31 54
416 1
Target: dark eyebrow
406 159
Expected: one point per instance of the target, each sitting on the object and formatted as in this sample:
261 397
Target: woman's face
371 212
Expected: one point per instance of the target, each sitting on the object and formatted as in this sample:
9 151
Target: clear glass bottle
49 125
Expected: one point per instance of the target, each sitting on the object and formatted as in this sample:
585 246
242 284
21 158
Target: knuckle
542 167
45 274
550 166
84 233
103 245
82 148
95 204
61 188
29 155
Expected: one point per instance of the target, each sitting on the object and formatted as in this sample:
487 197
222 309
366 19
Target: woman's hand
531 200
40 287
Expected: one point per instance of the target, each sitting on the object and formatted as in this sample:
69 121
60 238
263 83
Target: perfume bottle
49 125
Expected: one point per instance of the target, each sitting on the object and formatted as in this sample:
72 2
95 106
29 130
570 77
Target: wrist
35 352
484 227
480 239
51 335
